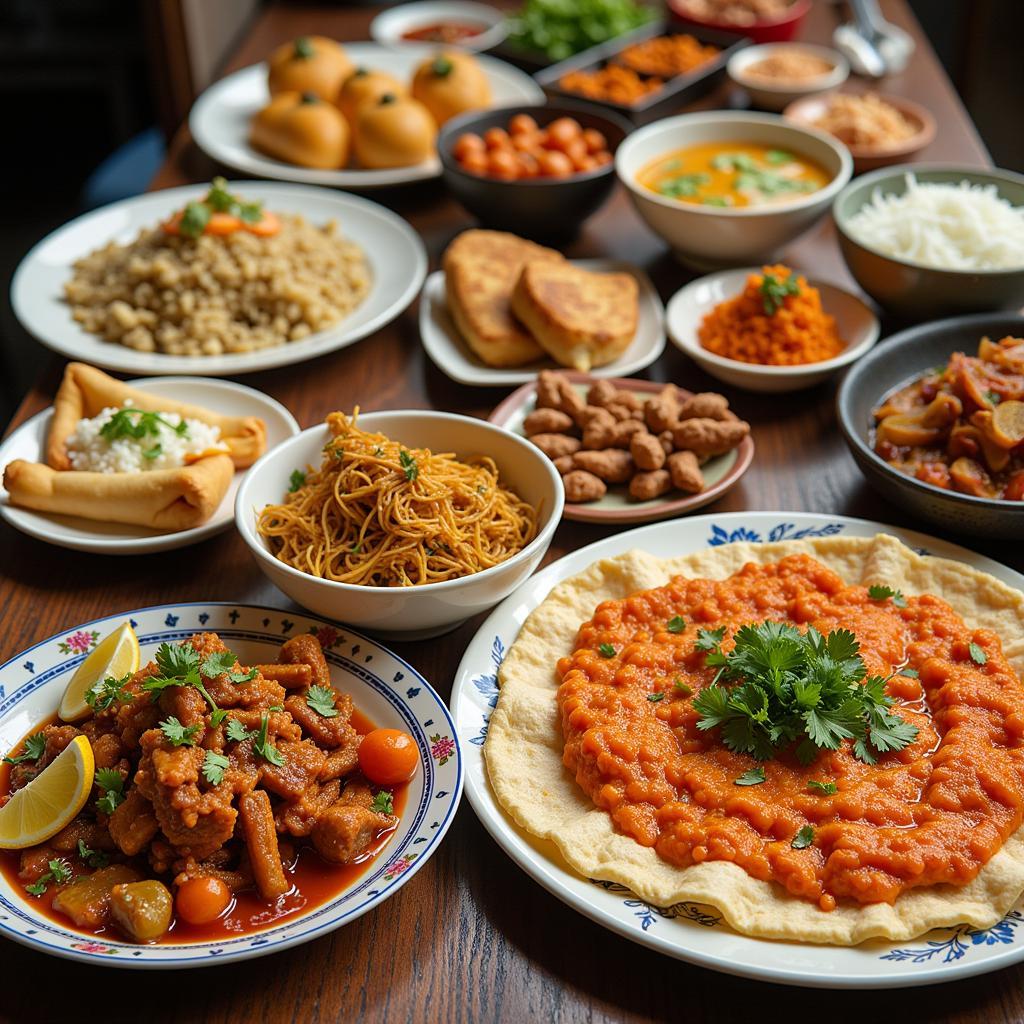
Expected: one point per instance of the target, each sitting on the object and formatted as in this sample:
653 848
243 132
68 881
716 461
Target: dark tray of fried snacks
647 74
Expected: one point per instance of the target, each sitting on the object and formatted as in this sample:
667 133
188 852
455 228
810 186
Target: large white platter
397 258
385 688
29 442
689 931
220 118
450 353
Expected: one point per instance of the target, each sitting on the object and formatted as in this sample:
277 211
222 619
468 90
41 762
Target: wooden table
470 937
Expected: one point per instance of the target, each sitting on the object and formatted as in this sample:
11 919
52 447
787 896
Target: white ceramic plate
383 686
450 353
856 324
689 931
390 25
220 118
29 442
393 249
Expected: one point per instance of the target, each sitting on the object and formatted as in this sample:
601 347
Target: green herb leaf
993 397
877 592
124 424
791 686
774 290
408 465
237 732
213 767
38 887
778 156
93 858
682 186
682 689
296 480
716 200
59 872
978 656
111 782
828 788
217 715
221 663
655 697
753 777
34 747
803 838
676 624
262 747
194 219
910 673
709 639
153 453
383 803
321 700
177 734
606 650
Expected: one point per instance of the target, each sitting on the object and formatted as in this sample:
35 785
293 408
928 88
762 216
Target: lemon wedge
116 655
51 800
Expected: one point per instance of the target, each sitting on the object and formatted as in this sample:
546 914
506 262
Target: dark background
78 83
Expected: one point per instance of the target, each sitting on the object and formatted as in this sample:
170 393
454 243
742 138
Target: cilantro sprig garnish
682 689
827 788
93 858
606 650
753 777
791 686
383 803
148 424
803 838
409 467
296 480
111 781
180 665
262 746
978 656
878 592
214 765
34 747
59 873
106 692
196 215
676 624
774 290
179 735
321 700
237 732
654 698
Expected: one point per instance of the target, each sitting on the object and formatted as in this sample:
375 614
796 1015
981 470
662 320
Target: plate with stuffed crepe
778 745
128 468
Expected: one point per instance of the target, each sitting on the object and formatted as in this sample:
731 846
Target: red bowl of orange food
782 22
538 171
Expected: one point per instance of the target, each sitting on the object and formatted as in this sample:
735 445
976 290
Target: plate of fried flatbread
503 308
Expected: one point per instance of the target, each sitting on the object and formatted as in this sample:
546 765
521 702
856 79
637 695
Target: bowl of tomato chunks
538 171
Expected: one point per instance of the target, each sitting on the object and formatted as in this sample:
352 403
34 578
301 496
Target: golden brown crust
580 318
480 269
166 499
85 392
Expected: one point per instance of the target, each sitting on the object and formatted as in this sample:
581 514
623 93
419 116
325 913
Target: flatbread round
523 751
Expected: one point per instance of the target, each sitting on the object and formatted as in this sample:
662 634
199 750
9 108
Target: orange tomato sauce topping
932 813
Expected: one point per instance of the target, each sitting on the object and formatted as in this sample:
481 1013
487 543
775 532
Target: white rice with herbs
219 294
168 447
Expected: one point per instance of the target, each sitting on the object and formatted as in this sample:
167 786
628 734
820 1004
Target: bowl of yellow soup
730 188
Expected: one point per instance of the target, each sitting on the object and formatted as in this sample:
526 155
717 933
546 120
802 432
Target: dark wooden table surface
470 937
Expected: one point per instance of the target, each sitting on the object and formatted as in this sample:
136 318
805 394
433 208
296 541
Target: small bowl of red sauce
459 23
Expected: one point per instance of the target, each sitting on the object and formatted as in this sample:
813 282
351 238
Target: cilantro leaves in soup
733 174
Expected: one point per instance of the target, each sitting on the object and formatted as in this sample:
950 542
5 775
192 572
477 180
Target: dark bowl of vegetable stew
941 464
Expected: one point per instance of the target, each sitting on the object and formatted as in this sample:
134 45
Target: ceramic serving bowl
766 30
857 325
869 158
912 290
710 237
771 95
536 207
897 361
390 25
407 613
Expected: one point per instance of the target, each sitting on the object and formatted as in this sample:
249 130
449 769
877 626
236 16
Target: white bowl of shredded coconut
926 240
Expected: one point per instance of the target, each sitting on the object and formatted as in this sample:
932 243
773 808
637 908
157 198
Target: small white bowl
407 613
709 237
389 26
778 96
856 324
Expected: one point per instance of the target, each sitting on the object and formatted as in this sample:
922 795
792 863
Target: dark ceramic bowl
897 361
545 208
912 290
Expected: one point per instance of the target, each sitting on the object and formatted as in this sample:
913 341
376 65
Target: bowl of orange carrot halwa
769 328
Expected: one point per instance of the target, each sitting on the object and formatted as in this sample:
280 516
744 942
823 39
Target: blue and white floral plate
384 687
689 931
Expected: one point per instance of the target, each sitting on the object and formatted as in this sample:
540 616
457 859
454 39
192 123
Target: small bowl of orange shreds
769 328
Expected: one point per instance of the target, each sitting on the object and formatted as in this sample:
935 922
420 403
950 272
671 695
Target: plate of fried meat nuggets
630 451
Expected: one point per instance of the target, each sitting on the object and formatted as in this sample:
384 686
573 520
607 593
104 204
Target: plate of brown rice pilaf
155 284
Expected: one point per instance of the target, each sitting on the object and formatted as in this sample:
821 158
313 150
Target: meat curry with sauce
234 788
961 426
